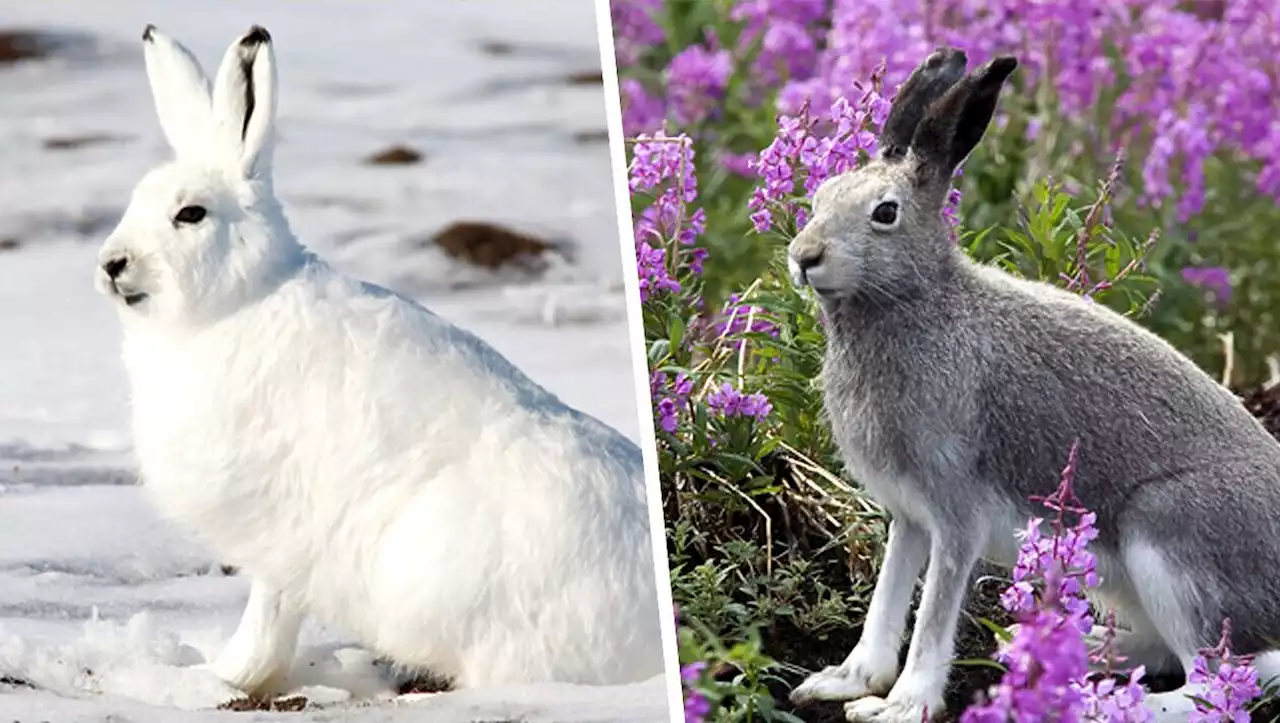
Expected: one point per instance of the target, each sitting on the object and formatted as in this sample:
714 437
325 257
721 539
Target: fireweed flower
1201 83
739 164
1215 279
696 705
1230 689
729 402
1047 660
667 229
641 112
669 400
789 35
742 318
634 28
818 148
696 79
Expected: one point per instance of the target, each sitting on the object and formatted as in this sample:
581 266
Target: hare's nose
114 267
808 257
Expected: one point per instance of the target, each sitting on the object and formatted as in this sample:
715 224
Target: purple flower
654 276
683 386
696 705
815 148
1047 661
696 79
667 411
641 112
756 406
634 28
739 164
1230 689
663 165
728 402
743 318
786 34
1215 279
692 672
669 401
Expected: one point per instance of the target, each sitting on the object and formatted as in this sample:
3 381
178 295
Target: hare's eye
190 214
885 214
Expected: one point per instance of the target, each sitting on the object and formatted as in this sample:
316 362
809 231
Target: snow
104 608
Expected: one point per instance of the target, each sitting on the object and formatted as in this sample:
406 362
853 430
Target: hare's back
1061 368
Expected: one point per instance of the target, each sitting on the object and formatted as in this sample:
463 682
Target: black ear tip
1000 68
147 31
946 56
257 35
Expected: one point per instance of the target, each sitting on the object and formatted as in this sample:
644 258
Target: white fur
360 458
872 667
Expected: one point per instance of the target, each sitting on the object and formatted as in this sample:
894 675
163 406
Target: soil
597 136
973 642
492 246
394 156
68 143
497 47
16 45
425 682
291 704
19 45
585 77
13 682
1264 404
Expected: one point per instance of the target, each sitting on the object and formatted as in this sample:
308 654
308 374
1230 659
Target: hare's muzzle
804 255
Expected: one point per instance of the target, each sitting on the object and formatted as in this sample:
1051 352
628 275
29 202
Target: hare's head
203 233
878 231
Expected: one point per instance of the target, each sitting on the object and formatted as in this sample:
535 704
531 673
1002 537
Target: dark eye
885 213
190 214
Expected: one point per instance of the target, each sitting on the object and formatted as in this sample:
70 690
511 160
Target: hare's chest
871 438
204 439
887 444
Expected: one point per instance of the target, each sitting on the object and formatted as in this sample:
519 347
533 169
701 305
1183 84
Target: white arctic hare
360 458
956 391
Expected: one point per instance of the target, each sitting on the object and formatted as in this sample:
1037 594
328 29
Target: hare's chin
125 293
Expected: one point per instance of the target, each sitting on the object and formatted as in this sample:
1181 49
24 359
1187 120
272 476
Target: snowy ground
102 606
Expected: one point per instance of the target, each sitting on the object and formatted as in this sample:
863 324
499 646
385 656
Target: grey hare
956 390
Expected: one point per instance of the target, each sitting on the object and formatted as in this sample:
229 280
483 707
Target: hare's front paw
883 710
865 672
249 671
203 687
912 697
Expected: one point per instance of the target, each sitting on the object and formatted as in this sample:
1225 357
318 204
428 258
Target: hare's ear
955 123
942 69
181 92
244 103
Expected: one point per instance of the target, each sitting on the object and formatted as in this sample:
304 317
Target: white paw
414 697
253 679
1171 706
858 676
202 687
883 710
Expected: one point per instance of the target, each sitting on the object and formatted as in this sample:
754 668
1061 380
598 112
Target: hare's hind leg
1185 618
259 654
872 667
1135 640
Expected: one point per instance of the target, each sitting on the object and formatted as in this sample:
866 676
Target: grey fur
955 392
